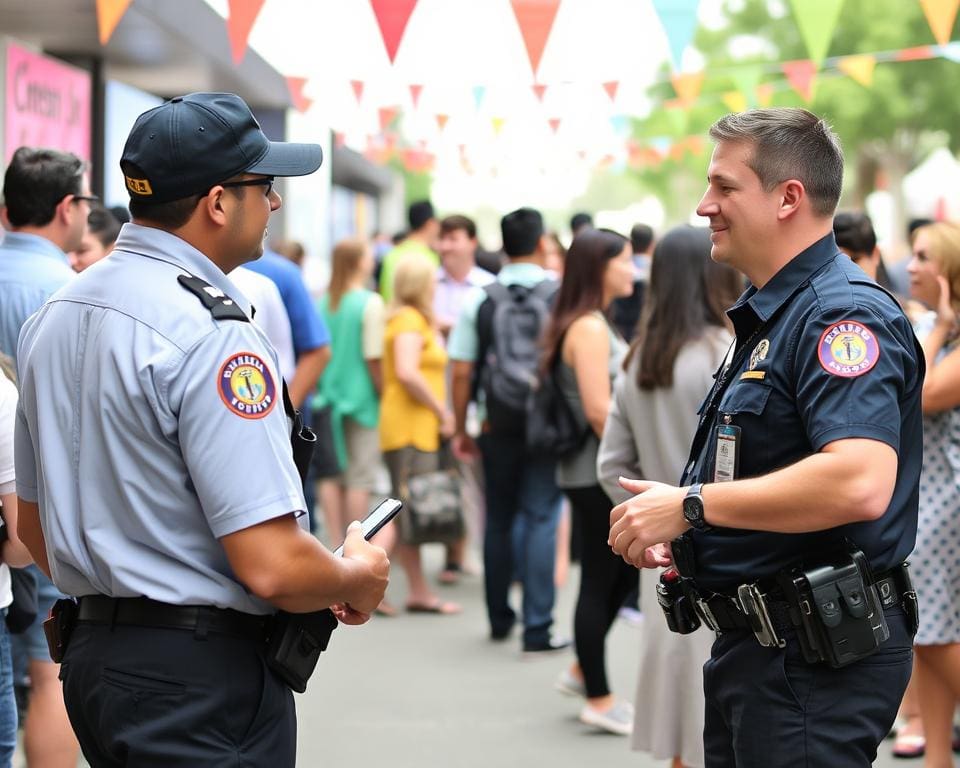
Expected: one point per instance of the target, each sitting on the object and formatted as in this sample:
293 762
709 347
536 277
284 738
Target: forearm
309 367
14 552
31 534
416 386
461 395
375 369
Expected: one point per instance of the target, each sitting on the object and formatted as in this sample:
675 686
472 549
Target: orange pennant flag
357 86
535 19
611 89
415 91
735 101
941 15
109 13
765 94
240 20
859 68
539 90
801 75
688 86
392 17
295 85
386 114
442 122
554 124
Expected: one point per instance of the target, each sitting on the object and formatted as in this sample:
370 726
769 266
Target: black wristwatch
693 508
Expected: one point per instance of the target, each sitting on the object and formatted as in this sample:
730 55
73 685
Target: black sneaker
546 647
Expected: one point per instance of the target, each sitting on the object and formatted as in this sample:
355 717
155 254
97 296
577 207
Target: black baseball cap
193 142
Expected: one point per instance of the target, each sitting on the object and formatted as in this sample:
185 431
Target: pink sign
47 104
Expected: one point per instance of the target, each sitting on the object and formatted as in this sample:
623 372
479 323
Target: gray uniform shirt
147 430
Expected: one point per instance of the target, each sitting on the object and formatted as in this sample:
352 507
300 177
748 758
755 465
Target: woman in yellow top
413 411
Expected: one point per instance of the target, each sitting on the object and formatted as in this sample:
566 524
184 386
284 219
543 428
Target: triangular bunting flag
817 19
241 15
392 17
859 68
679 20
415 91
620 124
554 124
920 53
941 15
688 86
497 123
386 115
801 75
295 85
611 89
765 94
442 122
357 86
479 91
535 19
539 90
735 101
747 78
339 139
109 13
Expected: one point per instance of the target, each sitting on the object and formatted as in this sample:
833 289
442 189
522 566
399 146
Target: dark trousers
768 708
145 697
518 484
605 582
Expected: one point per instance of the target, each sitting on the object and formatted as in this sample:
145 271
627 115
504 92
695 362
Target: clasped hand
642 527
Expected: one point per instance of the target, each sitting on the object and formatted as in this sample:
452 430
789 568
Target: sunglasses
266 181
88 198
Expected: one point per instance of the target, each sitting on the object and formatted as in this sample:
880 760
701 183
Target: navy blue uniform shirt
831 356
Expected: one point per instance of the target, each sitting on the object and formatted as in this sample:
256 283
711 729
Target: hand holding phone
372 523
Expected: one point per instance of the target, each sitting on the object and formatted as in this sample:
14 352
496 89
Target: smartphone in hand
372 523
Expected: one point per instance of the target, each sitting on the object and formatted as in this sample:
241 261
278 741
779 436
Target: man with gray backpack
495 352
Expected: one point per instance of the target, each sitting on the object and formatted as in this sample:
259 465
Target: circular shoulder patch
848 349
246 385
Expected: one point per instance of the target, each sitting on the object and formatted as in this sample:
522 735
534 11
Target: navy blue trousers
768 708
148 697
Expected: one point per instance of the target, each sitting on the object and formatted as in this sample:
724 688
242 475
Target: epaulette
221 306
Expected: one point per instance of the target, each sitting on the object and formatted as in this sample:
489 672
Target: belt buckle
754 606
707 615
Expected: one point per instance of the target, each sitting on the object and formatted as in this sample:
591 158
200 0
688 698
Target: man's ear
214 204
65 210
791 196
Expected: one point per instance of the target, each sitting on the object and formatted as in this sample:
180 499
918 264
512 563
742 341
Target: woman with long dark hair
682 339
583 352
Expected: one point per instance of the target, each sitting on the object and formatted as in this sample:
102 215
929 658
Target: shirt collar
757 306
35 244
165 246
514 270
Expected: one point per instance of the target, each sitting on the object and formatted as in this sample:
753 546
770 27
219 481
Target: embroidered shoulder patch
246 386
848 349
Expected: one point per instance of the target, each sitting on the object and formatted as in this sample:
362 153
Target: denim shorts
32 644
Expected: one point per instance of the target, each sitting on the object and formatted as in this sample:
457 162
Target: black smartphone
372 523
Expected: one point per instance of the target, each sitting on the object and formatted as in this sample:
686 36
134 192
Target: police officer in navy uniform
154 461
809 443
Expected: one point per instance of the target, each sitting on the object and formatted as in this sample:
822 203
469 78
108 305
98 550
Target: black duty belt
144 612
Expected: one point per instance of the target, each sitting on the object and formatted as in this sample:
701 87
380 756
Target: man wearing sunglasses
162 490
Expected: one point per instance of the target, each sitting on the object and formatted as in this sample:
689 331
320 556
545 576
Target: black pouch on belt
295 643
59 626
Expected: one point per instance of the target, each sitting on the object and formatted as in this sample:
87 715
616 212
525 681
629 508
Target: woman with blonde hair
935 280
350 388
413 410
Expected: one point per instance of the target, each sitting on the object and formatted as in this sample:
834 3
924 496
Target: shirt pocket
744 406
745 397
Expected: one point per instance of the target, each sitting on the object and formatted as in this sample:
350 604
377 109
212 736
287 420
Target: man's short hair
580 220
789 143
854 231
521 230
455 222
172 215
36 181
419 214
103 225
641 236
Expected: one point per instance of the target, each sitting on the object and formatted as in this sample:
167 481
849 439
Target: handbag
432 512
553 429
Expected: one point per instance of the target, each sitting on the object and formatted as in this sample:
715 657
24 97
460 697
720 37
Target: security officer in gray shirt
154 464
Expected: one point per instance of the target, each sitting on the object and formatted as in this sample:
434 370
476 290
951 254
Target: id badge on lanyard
727 453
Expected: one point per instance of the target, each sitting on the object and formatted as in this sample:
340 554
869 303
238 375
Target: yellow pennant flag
941 15
688 86
765 94
109 13
860 68
735 101
497 123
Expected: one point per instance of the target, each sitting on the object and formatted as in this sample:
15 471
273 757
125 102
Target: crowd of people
420 371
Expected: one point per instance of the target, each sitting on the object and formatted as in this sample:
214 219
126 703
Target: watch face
693 509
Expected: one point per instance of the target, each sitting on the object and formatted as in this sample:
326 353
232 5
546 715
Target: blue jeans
8 705
518 484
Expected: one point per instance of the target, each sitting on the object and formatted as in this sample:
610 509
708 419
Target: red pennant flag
415 91
339 139
442 123
801 75
387 115
538 91
392 17
611 89
295 85
241 16
535 18
919 53
357 86
109 13
554 124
